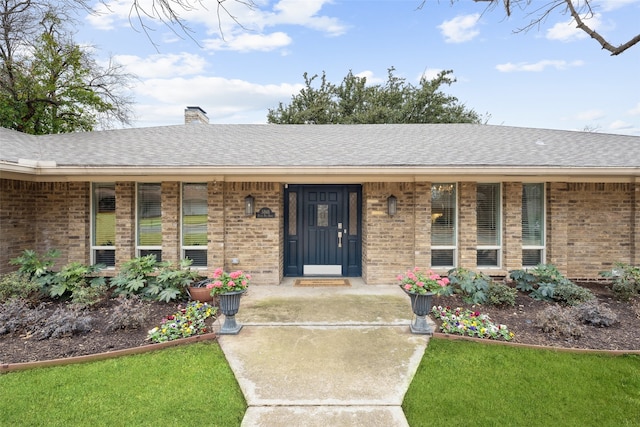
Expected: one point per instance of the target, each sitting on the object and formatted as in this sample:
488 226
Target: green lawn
457 383
474 384
182 386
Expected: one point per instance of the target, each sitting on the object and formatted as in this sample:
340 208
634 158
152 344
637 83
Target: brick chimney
195 115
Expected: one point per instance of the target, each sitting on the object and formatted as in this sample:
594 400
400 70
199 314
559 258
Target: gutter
38 170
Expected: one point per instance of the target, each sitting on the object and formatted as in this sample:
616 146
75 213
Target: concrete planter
229 306
421 306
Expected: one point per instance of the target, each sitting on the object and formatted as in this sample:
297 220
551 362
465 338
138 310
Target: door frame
294 244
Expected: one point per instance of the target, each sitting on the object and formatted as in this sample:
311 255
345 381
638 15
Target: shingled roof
389 149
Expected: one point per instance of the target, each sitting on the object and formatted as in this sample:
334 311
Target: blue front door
322 225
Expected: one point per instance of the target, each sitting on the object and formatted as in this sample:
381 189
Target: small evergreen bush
16 285
626 280
500 294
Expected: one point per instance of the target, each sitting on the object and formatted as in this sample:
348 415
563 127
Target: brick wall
590 226
170 206
600 224
388 248
125 222
17 217
79 220
467 229
255 242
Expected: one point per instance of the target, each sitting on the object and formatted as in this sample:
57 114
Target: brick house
344 200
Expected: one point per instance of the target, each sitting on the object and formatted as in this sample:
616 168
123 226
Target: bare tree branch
578 9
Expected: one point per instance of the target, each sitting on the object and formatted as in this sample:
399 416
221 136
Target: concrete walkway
331 356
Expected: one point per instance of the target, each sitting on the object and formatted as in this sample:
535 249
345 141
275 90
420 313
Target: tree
579 10
49 84
169 12
353 102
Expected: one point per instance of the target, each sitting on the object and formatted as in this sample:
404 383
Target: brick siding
589 226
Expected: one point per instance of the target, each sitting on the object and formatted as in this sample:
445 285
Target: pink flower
217 273
400 277
248 276
209 285
217 284
234 275
420 285
434 276
407 287
445 280
244 283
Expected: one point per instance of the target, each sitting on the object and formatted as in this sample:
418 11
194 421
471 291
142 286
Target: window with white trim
103 224
194 223
533 225
488 210
443 225
149 220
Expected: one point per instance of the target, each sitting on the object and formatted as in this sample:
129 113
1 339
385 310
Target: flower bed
187 322
470 323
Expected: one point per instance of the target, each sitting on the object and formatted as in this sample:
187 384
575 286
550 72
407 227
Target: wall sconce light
392 205
249 205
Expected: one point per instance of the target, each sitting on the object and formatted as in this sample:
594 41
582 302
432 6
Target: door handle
339 239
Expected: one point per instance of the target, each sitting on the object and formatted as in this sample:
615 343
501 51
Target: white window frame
499 222
139 247
184 248
542 248
92 221
454 247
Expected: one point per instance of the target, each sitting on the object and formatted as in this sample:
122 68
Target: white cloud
430 73
567 31
237 27
620 124
538 66
162 101
162 65
635 111
460 29
371 78
249 42
590 115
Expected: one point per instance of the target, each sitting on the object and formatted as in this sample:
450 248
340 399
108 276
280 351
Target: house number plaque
265 213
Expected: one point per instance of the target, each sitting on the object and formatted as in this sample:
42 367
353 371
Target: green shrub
16 285
78 281
149 278
472 286
37 267
626 280
500 294
569 293
544 282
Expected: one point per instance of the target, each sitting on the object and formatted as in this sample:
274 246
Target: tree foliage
354 102
50 84
579 10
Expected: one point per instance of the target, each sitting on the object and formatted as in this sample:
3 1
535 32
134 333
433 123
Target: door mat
312 283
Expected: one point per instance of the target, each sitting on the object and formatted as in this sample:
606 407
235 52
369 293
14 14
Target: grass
180 386
457 383
468 383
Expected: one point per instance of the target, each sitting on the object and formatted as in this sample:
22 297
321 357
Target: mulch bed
21 347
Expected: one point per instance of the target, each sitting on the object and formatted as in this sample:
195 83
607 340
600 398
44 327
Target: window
194 223
103 224
533 225
443 225
149 220
488 206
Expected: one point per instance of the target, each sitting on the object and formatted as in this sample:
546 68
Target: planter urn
421 307
229 305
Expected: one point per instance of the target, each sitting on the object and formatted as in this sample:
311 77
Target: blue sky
549 77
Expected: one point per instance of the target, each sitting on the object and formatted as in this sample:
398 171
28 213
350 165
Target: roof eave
313 174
